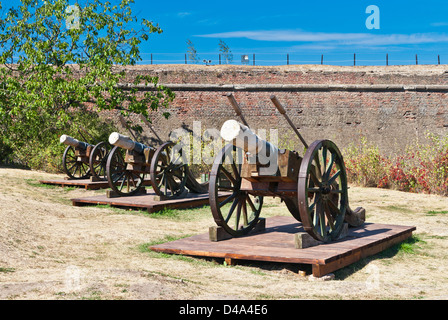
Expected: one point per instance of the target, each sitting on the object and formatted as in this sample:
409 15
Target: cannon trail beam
282 110
237 108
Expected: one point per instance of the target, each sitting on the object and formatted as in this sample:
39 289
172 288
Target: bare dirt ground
50 249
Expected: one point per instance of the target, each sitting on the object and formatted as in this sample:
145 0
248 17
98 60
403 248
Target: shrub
366 166
420 168
5 152
45 151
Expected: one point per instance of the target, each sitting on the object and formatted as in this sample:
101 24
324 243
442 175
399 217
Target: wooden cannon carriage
82 160
314 188
129 162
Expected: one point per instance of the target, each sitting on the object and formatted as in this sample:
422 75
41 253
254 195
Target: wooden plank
255 253
147 202
276 244
86 183
320 270
369 243
247 248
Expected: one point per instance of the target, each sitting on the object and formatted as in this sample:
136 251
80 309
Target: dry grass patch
50 249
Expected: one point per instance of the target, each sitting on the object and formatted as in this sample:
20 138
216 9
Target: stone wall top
294 74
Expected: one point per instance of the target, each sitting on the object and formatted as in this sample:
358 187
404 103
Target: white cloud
333 38
183 14
439 24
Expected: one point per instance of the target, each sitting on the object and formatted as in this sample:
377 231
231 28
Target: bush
420 168
45 151
365 165
5 152
423 167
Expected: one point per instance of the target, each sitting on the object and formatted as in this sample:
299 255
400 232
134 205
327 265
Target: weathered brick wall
392 106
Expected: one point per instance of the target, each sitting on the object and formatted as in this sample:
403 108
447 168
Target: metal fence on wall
270 59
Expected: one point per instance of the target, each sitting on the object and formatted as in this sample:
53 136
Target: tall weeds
421 168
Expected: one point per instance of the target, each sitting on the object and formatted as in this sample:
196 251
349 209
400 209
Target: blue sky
303 29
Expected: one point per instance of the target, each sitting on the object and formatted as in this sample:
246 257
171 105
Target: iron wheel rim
121 180
322 191
168 170
72 165
240 202
98 160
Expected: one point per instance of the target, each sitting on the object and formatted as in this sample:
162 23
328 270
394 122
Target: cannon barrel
127 143
243 137
70 141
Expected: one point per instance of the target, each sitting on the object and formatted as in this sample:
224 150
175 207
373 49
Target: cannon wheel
291 204
124 182
98 160
168 171
322 191
244 209
74 168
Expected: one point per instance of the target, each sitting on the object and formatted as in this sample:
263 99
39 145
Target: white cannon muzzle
243 137
125 142
65 139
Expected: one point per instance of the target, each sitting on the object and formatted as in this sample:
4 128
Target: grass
165 213
6 270
118 210
94 295
182 214
145 246
437 237
410 246
396 208
435 212
33 183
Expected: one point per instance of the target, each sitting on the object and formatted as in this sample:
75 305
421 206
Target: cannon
97 160
313 187
82 160
129 162
75 160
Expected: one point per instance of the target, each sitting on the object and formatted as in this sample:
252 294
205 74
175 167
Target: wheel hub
325 188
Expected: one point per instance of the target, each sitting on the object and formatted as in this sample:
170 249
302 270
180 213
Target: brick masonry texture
416 105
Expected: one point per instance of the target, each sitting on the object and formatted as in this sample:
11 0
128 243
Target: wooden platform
146 201
84 183
276 244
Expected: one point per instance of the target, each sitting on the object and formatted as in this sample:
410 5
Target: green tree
192 53
61 65
225 52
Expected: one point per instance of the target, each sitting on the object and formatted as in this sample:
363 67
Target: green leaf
53 76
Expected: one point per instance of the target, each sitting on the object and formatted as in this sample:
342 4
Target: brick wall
392 106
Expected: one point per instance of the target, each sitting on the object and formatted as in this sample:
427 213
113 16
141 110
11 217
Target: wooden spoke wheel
168 170
322 191
121 180
98 160
239 212
74 166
